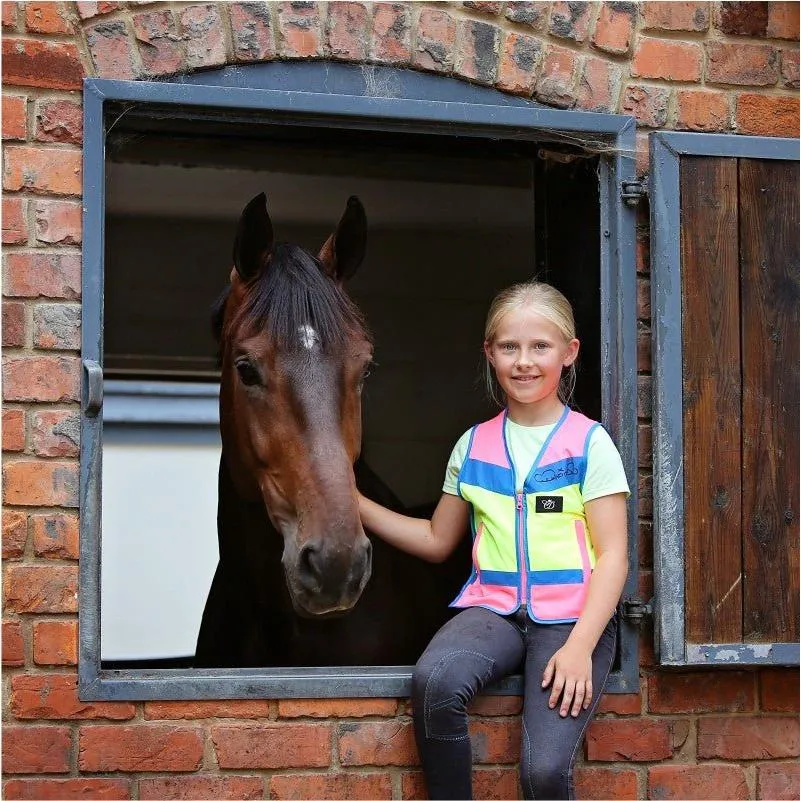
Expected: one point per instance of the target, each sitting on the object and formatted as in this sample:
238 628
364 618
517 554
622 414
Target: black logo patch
548 503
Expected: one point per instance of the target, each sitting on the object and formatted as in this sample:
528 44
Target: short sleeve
605 473
458 455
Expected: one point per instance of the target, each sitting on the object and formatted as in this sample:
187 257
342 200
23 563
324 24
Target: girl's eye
248 373
507 346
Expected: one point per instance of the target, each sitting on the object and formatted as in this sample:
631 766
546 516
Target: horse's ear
254 238
344 250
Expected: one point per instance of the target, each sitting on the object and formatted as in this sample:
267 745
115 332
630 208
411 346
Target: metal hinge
633 191
636 610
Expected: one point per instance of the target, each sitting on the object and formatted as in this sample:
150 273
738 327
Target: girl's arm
570 667
432 540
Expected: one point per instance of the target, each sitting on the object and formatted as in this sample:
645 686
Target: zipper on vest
521 550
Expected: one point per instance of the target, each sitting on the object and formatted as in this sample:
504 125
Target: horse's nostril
310 566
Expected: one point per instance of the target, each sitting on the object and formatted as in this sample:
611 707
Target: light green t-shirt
605 473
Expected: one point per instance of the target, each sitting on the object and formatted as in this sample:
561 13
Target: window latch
93 400
633 191
635 610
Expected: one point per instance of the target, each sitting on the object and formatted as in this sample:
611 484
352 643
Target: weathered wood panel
769 267
711 399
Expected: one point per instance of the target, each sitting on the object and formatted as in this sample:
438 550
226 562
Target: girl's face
528 354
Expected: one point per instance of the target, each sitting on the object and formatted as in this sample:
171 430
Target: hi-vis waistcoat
531 547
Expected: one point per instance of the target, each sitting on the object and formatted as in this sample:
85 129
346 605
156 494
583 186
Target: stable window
724 271
466 191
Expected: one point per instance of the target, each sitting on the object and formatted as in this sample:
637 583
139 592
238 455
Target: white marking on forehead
308 336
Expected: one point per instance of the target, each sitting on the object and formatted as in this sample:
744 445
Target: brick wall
726 67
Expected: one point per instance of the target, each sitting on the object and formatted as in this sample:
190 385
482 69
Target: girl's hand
570 669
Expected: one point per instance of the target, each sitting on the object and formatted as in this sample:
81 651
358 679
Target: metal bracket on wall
633 191
93 374
636 610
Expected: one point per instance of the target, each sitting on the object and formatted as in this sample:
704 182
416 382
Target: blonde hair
548 302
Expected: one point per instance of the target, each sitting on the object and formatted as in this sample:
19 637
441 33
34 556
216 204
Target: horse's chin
316 612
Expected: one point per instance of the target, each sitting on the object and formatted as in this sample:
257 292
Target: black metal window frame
666 149
342 96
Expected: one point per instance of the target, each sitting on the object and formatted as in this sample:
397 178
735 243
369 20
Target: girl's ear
571 353
488 352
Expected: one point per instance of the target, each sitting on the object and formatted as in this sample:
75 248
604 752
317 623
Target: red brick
112 50
58 222
391 39
47 18
599 87
59 121
55 433
42 378
377 743
55 642
89 10
620 704
36 275
477 51
570 20
41 588
13 649
195 710
699 691
614 29
15 111
201 787
644 300
347 30
769 737
519 66
15 533
697 782
742 19
141 748
484 6
205 39
667 59
13 325
13 432
645 460
161 50
603 783
647 104
702 111
56 172
336 707
496 783
15 223
646 527
644 405
783 20
300 30
55 536
778 781
67 789
495 741
57 326
252 31
531 14
53 696
674 16
9 12
436 37
491 705
327 785
763 115
742 64
789 60
51 65
36 749
270 746
778 690
557 82
638 740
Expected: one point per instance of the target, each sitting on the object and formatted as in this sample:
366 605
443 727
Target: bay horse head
294 354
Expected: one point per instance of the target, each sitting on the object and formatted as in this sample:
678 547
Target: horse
299 582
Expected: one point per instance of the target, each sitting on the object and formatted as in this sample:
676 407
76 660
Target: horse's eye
248 373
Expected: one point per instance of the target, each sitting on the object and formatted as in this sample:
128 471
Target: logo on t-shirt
548 503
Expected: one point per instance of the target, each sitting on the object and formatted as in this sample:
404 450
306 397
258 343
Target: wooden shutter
725 256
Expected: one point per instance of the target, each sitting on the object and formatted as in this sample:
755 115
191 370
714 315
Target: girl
544 491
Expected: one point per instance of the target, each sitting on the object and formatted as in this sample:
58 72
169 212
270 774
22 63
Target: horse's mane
292 290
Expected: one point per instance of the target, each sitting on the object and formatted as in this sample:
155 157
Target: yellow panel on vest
496 549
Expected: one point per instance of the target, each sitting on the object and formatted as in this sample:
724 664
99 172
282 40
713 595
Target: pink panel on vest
499 599
569 439
557 601
488 444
